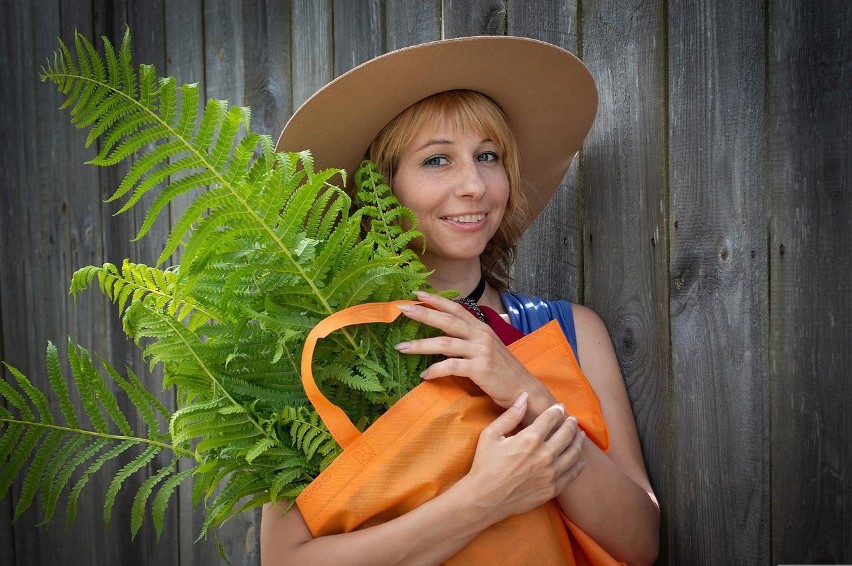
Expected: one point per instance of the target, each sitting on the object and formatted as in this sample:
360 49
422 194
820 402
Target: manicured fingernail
424 374
422 294
559 406
402 346
406 308
522 398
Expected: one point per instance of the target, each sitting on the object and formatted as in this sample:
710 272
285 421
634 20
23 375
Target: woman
474 136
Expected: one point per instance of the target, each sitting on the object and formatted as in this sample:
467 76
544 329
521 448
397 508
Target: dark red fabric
505 331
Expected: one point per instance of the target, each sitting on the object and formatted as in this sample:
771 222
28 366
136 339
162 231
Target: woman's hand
513 474
474 351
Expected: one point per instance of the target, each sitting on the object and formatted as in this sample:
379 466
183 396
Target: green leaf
164 495
92 469
134 466
141 499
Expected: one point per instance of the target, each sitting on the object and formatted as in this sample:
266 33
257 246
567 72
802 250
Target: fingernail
402 346
422 294
424 373
406 308
521 400
559 406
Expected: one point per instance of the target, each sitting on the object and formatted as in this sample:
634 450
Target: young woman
474 136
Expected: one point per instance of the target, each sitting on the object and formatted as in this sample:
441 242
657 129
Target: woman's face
456 185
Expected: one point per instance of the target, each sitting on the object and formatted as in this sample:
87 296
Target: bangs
463 110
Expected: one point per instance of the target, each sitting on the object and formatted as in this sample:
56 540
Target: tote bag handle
338 423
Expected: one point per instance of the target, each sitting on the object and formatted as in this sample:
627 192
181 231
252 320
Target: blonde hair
463 109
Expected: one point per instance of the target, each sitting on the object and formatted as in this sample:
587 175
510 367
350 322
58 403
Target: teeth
467 218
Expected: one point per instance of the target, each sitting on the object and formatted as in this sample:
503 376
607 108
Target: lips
465 218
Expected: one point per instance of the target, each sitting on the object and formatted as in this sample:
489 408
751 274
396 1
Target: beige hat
547 94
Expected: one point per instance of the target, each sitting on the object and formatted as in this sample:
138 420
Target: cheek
502 192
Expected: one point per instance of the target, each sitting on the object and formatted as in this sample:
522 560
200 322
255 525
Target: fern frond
134 281
58 449
239 486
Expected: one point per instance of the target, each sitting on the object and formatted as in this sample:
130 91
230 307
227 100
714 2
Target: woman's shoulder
586 319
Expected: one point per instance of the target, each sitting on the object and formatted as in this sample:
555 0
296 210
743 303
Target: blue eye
488 156
435 161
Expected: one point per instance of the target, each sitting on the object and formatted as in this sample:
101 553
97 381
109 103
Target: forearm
613 509
429 534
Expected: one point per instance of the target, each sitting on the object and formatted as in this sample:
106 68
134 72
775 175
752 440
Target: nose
470 182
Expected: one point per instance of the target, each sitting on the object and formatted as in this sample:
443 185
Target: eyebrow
448 142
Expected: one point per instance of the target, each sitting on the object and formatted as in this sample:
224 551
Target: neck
463 277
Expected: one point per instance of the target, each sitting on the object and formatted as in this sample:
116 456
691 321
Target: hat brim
546 93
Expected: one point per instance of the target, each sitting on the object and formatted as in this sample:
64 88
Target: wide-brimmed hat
547 94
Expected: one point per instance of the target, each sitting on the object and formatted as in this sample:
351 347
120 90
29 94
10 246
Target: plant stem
120 437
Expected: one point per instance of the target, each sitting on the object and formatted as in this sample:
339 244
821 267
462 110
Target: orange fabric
426 442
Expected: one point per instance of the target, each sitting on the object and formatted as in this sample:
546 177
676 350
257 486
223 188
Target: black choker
476 294
471 300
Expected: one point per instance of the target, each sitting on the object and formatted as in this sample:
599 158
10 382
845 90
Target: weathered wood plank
358 33
626 241
223 51
14 245
552 270
409 22
45 214
312 53
810 74
719 487
267 83
463 18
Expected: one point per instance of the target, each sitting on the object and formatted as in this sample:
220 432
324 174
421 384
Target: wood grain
409 22
359 33
312 52
718 212
463 18
625 194
810 304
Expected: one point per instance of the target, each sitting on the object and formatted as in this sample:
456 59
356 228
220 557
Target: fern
65 446
267 249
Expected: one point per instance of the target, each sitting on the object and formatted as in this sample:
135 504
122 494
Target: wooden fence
709 222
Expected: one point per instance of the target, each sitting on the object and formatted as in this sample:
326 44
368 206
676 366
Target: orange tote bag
426 442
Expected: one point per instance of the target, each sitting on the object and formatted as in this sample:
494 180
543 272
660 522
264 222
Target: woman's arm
612 500
509 475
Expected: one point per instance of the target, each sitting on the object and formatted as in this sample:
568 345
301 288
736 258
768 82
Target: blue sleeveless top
528 314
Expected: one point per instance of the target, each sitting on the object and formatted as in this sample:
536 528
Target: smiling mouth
466 219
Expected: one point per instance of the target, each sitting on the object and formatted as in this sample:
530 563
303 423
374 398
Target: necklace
476 294
470 302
